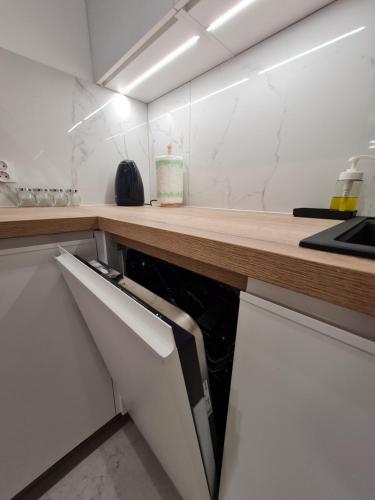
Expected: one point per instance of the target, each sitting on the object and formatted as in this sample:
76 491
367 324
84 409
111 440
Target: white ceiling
256 22
54 33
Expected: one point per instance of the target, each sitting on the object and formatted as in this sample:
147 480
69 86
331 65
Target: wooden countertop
224 244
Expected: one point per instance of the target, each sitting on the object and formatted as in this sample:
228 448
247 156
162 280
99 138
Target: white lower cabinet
55 390
302 409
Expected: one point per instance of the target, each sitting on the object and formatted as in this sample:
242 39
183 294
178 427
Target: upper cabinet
194 54
117 26
258 19
145 49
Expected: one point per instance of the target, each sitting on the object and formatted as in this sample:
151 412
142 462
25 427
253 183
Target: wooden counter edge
343 287
217 273
224 261
32 227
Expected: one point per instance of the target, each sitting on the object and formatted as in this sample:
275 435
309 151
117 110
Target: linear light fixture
163 62
371 142
372 147
236 9
310 51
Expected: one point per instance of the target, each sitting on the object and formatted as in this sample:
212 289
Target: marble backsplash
272 128
38 107
268 130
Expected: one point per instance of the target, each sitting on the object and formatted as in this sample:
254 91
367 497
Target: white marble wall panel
38 105
278 139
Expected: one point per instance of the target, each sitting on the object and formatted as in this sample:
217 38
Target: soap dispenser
348 186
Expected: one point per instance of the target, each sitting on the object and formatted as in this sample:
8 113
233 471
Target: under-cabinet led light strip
144 76
236 9
161 64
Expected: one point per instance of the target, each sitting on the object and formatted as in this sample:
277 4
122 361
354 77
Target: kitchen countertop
225 244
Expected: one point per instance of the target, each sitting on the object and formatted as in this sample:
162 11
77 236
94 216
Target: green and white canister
170 179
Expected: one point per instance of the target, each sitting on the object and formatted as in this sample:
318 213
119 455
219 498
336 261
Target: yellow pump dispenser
348 186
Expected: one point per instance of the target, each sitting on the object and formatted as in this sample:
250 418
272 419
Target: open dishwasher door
154 363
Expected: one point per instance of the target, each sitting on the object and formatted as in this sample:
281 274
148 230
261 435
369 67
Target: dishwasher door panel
140 352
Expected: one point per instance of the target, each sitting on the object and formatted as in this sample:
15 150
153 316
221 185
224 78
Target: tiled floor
123 468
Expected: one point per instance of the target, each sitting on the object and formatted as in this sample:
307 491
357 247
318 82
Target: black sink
361 234
353 237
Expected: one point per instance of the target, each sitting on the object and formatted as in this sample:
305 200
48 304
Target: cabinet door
54 387
140 352
301 411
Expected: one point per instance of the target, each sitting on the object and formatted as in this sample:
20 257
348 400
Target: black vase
128 185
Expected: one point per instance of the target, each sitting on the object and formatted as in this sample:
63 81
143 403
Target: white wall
38 106
116 25
53 32
277 140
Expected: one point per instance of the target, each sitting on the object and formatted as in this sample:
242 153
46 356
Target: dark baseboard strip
62 467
